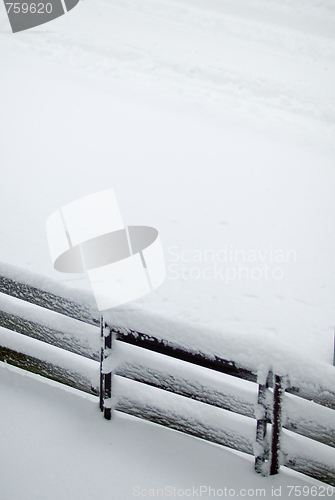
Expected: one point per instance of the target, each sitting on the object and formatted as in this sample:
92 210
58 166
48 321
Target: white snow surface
258 352
57 445
213 120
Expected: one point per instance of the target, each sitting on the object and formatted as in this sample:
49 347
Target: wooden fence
268 448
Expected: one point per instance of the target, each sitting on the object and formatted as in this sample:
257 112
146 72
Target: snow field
213 121
71 452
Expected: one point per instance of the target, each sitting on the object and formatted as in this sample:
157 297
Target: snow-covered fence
133 382
269 453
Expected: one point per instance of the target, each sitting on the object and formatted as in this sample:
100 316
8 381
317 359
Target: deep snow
57 445
213 121
213 124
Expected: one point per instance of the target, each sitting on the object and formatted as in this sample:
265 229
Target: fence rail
99 348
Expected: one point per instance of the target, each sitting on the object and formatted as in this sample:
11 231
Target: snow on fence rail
219 413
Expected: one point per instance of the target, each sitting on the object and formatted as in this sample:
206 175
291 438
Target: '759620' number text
33 8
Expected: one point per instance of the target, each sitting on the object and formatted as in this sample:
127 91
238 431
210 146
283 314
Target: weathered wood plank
312 468
48 300
262 448
48 370
319 395
295 419
185 387
163 380
106 375
63 340
309 419
169 349
306 465
85 313
277 411
177 421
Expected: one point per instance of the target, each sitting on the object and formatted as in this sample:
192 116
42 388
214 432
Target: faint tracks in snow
265 57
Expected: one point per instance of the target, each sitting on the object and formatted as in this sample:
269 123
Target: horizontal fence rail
301 415
48 370
48 300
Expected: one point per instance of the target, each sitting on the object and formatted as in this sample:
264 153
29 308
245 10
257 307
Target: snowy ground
213 120
71 452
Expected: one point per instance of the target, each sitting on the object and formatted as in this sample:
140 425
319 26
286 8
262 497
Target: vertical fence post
262 450
105 377
278 393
